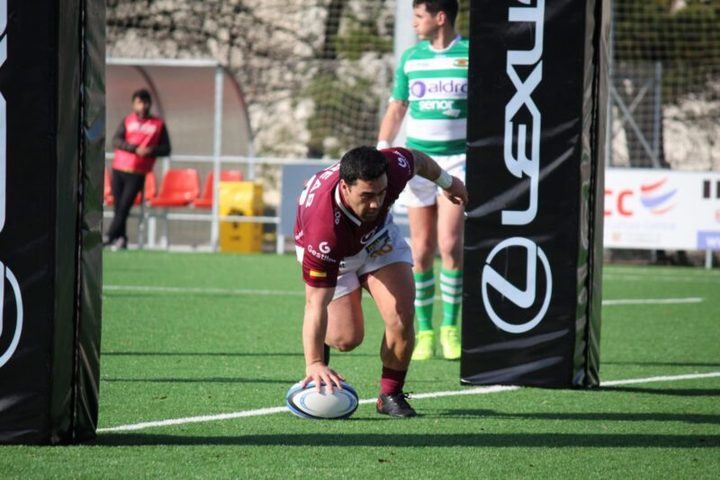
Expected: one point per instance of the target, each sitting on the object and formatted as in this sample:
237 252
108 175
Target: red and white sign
662 209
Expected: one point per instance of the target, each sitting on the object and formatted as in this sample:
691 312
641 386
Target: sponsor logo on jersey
461 62
418 88
450 87
445 106
401 160
366 238
321 252
146 128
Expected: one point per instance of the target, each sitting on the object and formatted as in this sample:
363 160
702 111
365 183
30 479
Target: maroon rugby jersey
329 231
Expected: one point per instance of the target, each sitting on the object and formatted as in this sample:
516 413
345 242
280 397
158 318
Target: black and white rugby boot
395 405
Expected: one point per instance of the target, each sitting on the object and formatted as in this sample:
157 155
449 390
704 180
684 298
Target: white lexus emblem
7 274
522 298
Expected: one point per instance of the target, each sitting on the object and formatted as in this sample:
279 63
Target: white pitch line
281 293
449 393
455 393
672 378
202 290
652 301
660 278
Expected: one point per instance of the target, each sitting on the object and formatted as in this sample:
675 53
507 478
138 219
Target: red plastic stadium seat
180 187
150 189
206 198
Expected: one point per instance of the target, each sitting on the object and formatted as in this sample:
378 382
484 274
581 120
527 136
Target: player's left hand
457 193
143 151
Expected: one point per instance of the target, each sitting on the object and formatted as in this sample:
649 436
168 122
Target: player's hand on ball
321 373
457 193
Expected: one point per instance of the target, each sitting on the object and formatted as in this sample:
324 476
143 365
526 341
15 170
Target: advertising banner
533 236
51 137
662 209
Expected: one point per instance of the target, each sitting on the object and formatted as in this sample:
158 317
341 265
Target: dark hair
450 7
364 163
143 95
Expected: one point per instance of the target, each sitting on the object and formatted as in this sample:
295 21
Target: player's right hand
320 373
457 193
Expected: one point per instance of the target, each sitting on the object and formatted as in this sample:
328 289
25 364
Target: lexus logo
523 299
13 335
9 338
524 164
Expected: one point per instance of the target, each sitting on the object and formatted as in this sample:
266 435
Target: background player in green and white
431 82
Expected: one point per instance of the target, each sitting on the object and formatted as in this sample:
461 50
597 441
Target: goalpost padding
533 237
51 167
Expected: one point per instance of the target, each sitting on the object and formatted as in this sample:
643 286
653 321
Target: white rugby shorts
420 192
384 248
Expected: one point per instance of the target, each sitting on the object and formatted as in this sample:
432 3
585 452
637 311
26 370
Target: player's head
141 102
429 16
363 181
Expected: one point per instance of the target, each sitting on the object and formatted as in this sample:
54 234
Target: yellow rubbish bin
240 198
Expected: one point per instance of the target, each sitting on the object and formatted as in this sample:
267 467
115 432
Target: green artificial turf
183 335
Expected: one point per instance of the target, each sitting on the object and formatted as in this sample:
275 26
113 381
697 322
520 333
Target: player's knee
349 344
401 324
450 246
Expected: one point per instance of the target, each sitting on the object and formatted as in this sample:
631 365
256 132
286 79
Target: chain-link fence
316 74
666 84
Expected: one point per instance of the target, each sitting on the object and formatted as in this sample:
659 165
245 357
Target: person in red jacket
138 141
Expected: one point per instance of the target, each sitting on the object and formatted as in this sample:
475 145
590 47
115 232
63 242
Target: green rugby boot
450 342
424 345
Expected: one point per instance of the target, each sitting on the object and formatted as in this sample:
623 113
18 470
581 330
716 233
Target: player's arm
428 168
119 142
317 300
391 122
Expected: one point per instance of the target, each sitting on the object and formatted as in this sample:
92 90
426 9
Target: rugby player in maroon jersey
345 239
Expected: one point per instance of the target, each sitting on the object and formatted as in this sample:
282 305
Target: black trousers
125 187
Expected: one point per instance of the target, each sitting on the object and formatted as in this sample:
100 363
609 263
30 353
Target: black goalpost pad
52 135
533 236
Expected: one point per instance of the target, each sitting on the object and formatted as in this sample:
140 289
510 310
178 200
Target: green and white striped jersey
434 83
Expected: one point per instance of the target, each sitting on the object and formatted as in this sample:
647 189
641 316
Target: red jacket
134 132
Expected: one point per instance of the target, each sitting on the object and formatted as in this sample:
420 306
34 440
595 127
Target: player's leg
345 329
420 198
392 289
125 186
450 243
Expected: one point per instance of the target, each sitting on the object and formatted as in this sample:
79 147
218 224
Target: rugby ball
308 403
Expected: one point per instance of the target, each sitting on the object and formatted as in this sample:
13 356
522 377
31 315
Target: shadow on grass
510 440
199 380
227 354
204 354
591 416
671 392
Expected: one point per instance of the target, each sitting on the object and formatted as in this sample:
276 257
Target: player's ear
441 18
344 186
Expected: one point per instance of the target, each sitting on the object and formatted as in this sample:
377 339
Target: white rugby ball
308 403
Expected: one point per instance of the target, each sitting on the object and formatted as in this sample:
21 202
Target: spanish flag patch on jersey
318 274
